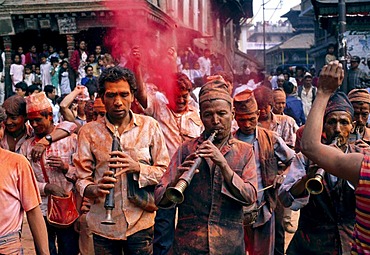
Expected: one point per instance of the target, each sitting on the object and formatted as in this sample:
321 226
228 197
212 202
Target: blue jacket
294 109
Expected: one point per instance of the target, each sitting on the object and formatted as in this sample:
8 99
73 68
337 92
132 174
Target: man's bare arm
38 229
346 166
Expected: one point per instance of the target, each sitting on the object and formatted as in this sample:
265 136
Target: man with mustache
360 99
326 219
210 218
144 153
55 173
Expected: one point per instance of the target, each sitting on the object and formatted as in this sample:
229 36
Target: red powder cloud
134 27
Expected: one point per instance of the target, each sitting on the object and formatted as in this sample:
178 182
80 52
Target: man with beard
326 219
210 218
360 99
269 148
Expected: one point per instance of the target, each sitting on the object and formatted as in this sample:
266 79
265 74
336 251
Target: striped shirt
361 233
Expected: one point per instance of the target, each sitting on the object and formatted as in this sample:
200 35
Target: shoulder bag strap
43 167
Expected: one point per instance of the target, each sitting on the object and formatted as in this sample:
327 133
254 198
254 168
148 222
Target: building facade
295 50
119 24
252 38
326 28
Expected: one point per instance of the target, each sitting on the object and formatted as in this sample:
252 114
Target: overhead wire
251 20
276 8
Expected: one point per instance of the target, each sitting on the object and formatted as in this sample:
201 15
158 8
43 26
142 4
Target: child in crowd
196 71
62 56
33 89
65 84
16 71
188 72
23 57
91 62
54 72
21 89
37 74
330 54
29 77
45 71
101 66
52 53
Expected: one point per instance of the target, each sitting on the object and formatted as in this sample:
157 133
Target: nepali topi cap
359 95
245 103
36 103
213 90
339 102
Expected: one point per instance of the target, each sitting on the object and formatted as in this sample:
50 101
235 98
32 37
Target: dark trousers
140 243
323 242
279 229
164 231
67 239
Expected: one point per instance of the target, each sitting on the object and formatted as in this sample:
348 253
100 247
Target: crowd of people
246 138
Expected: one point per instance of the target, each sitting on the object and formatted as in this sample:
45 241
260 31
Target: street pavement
29 249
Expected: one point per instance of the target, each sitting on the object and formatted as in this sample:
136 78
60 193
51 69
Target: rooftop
299 41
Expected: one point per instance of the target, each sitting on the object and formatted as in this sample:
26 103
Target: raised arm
141 93
345 166
67 101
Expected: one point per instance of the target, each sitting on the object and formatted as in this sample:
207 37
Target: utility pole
342 41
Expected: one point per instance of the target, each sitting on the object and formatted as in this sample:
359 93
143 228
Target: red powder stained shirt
176 128
18 191
286 127
210 219
64 148
143 140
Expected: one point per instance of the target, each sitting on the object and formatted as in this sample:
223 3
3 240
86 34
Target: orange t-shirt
18 191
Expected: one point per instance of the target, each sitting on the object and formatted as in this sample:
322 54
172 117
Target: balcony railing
259 45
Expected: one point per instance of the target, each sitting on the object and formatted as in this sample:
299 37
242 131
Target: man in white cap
307 93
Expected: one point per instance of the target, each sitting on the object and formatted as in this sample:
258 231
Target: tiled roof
300 41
